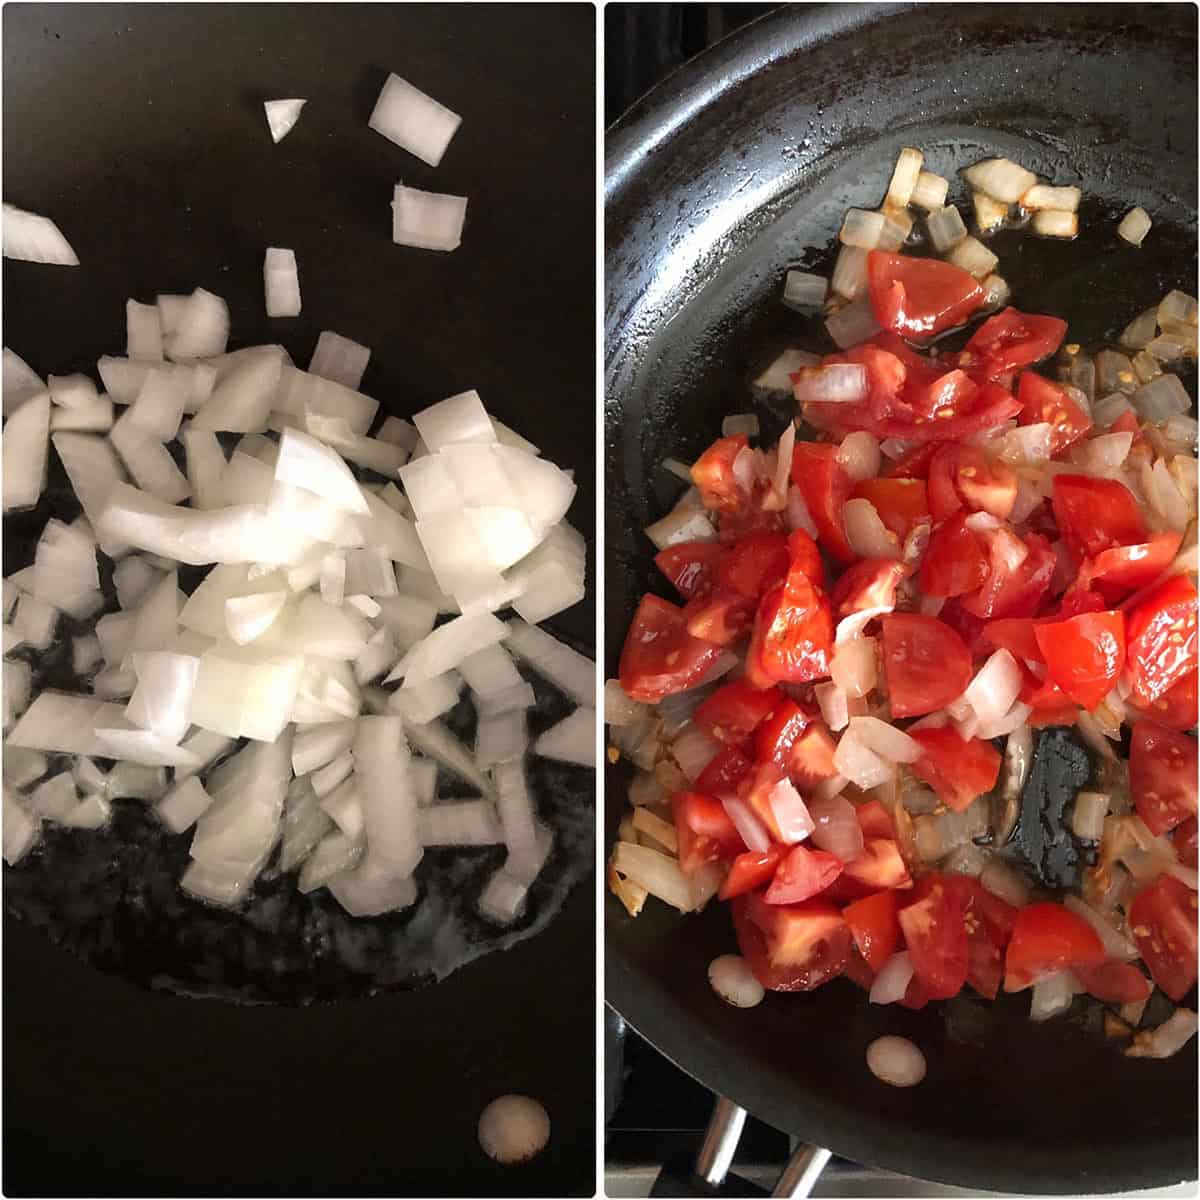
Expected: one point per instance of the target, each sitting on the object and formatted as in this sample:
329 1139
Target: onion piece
1167 1039
427 220
31 238
834 705
1002 880
413 120
1134 226
1051 223
659 874
836 828
896 1060
281 283
929 191
202 328
513 1129
183 805
905 176
776 378
1052 994
972 256
749 827
569 671
26 440
681 524
853 668
849 278
853 324
946 228
893 979
842 383
1087 821
22 382
888 742
868 536
282 116
804 292
993 691
732 980
1000 178
855 760
859 456
572 740
1116 944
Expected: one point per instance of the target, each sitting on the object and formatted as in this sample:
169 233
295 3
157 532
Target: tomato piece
1162 919
1012 591
880 865
1123 569
886 374
871 583
954 562
1084 655
1012 339
918 297
1015 634
926 663
957 770
660 657
777 735
1115 982
1041 401
961 477
858 972
1096 514
803 874
812 757
914 464
940 398
1185 841
874 927
874 820
989 924
719 616
916 996
703 830
990 406
1077 601
900 503
1048 938
805 557
725 770
968 626
1160 633
936 937
792 640
791 948
712 473
772 798
690 566
734 711
750 871
754 564
1162 775
825 486
1176 707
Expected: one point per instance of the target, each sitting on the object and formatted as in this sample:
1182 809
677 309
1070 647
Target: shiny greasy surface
734 168
140 129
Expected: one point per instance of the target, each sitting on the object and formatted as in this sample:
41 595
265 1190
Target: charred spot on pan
1061 768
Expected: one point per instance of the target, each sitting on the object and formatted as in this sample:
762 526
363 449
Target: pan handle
802 1172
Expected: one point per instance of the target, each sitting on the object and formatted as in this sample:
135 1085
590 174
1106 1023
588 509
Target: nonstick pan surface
140 130
733 169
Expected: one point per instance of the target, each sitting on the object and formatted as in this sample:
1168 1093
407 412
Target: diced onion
1134 226
893 979
1051 223
734 982
842 383
861 765
929 191
946 229
282 116
853 667
749 827
895 1060
31 238
804 291
282 283
994 690
1052 994
890 743
853 324
414 121
868 536
1087 821
972 256
427 220
513 1129
836 828
1000 178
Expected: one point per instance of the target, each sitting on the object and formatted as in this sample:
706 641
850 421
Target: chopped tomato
1162 919
1043 401
961 477
954 562
870 583
914 464
1015 634
1012 591
957 770
880 865
1084 655
1185 841
874 927
926 663
940 398
1076 601
936 937
792 640
703 830
805 557
719 616
825 486
1162 775
918 297
712 473
1160 633
660 657
886 375
874 820
777 735
900 503
1115 982
803 874
750 871
967 625
734 711
754 564
989 406
1048 938
1094 515
1013 339
758 792
989 924
1176 708
690 566
725 770
1118 571
858 972
812 757
791 948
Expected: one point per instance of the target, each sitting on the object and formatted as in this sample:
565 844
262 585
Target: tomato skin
990 406
1009 591
791 948
1176 708
900 503
1048 938
704 831
961 477
812 757
918 297
1162 775
690 566
1185 841
793 632
1120 570
1017 635
734 711
754 564
776 736
718 616
936 937
1093 515
870 583
825 486
1084 655
954 562
874 927
804 873
724 772
1115 982
950 393
750 871
989 924
712 473
1162 919
958 770
926 662
1041 401
880 865
874 820
1012 339
660 657
1160 633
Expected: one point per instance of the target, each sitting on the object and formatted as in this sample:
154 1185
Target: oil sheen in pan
112 898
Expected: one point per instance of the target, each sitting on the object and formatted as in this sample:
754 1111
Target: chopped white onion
842 383
890 743
1051 223
413 120
834 705
836 828
858 763
26 441
572 740
282 116
1000 178
895 1060
733 980
1134 226
929 191
281 281
427 220
893 979
972 256
31 238
1052 994
868 536
853 324
776 378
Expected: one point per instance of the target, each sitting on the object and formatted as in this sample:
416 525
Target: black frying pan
140 129
742 163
